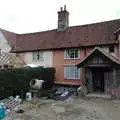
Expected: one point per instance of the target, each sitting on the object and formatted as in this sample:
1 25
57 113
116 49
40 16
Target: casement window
71 72
37 56
111 49
72 53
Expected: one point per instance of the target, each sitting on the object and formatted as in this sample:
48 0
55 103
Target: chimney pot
64 7
63 19
61 8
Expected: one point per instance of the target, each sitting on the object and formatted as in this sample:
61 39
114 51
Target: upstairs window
71 72
111 49
37 56
72 54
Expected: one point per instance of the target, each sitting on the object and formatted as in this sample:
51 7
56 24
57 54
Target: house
86 54
7 43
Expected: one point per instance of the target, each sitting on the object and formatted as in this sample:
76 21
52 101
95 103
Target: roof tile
76 36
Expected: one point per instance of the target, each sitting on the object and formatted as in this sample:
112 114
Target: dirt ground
71 109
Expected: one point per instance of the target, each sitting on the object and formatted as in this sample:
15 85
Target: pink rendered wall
59 62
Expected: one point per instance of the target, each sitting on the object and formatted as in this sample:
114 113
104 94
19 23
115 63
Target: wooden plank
10 104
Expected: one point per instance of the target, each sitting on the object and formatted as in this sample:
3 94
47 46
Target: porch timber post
88 75
114 77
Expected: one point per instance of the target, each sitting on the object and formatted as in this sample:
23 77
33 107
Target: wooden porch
102 71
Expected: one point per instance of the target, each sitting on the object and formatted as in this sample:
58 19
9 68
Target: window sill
72 79
37 60
71 58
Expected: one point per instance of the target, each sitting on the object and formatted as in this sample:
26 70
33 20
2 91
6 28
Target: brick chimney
63 19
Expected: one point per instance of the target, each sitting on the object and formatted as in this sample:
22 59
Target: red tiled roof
76 36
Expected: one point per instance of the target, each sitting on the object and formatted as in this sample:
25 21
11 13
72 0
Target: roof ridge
4 30
82 25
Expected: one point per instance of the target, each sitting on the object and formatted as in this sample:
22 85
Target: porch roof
112 58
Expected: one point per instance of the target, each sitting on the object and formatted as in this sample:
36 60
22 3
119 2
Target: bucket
2 111
28 96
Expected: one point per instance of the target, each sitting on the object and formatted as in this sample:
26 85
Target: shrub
16 81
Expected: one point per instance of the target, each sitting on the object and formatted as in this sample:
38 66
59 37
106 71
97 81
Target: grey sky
23 16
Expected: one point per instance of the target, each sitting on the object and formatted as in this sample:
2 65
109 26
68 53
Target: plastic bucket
28 96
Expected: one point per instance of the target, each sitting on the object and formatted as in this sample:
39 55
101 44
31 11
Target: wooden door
98 80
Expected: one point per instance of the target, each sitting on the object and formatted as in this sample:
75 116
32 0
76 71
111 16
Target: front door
98 80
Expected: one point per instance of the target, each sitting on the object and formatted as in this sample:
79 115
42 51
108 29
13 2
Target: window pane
71 72
76 53
34 56
71 53
41 56
38 56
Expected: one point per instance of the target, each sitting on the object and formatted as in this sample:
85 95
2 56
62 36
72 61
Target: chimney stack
61 8
63 19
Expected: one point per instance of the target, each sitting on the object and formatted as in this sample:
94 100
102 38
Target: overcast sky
24 16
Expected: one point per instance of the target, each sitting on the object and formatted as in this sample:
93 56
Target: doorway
98 80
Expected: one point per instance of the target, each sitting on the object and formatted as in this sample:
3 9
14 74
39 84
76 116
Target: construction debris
2 111
11 103
20 111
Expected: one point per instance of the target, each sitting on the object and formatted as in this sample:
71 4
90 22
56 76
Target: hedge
16 81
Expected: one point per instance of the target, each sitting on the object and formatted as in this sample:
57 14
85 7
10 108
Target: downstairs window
71 72
37 56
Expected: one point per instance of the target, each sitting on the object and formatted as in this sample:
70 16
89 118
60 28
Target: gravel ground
70 109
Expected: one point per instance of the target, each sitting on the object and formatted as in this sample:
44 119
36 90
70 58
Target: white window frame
71 74
38 56
71 53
